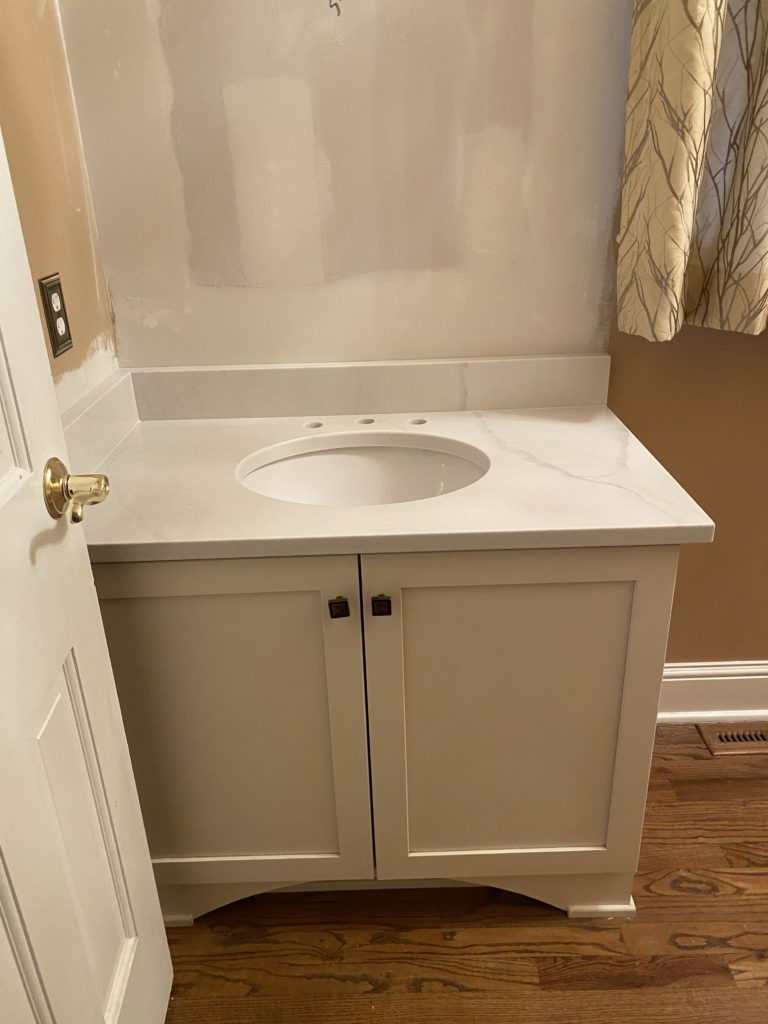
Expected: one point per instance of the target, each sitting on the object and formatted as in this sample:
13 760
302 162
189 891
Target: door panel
245 711
89 858
15 462
73 878
81 935
502 694
211 708
25 999
486 695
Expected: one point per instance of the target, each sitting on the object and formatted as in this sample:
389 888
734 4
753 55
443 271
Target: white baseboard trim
714 691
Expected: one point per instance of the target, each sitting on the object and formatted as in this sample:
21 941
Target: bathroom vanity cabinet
484 716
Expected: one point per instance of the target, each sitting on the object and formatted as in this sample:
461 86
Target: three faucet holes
366 421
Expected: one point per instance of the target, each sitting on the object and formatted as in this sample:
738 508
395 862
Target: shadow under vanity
461 688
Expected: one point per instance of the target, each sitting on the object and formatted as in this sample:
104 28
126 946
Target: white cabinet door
81 937
512 700
244 705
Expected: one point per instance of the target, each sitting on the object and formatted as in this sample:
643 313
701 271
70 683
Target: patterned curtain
693 246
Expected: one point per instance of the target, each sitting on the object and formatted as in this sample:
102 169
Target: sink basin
362 468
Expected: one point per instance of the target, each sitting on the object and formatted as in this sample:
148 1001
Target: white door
81 935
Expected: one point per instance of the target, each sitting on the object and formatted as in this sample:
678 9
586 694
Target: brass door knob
62 490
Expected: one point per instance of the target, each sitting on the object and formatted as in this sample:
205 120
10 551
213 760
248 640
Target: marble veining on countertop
558 477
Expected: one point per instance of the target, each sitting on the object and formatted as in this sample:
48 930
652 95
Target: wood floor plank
717 822
409 970
702 938
659 1006
660 790
631 972
728 786
559 937
704 893
723 882
691 854
687 908
680 743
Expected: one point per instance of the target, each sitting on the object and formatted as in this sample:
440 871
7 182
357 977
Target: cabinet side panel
512 705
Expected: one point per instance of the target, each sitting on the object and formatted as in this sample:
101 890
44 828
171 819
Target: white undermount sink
362 468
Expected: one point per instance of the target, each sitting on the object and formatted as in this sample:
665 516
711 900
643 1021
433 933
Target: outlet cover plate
56 318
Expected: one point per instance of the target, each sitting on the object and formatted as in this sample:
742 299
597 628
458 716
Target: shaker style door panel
510 694
63 876
244 707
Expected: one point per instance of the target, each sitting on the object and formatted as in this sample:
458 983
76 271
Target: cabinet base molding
597 895
181 904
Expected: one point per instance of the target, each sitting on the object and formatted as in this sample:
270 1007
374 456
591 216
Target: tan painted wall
700 404
413 179
41 135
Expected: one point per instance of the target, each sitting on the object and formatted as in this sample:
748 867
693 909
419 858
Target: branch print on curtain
693 245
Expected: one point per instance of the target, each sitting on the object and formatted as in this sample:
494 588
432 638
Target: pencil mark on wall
335 5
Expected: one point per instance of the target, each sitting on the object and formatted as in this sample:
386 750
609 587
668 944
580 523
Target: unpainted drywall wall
274 183
699 404
42 140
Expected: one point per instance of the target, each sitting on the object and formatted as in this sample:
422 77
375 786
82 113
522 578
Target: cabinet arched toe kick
181 904
579 895
507 724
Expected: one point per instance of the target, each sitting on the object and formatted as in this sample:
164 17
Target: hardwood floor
697 952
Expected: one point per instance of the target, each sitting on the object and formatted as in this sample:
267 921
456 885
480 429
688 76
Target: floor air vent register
751 738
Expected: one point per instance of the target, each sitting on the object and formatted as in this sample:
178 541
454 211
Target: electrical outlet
55 314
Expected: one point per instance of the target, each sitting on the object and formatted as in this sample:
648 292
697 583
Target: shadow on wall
700 404
341 148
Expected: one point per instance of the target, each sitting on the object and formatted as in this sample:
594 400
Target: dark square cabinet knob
339 608
381 604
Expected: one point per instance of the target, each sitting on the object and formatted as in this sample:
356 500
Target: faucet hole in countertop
314 424
366 420
417 422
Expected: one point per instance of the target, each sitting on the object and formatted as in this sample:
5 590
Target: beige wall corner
699 404
42 139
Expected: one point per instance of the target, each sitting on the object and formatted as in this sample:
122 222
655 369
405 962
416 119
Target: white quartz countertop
568 477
